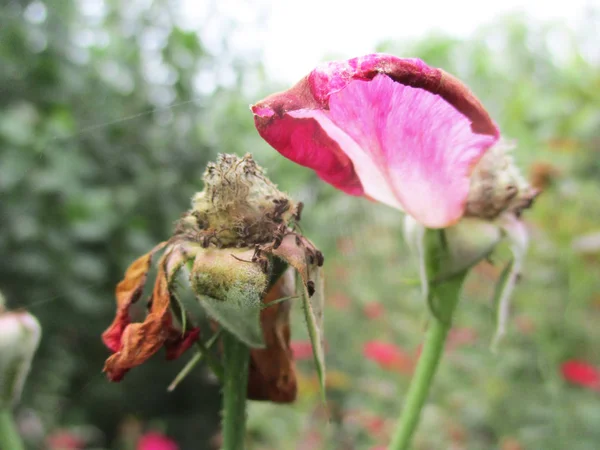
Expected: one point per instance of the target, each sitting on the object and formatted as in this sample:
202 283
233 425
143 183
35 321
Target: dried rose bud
239 206
497 186
20 334
234 245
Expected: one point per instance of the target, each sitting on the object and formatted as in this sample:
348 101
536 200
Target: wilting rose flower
397 131
389 356
415 138
581 373
156 441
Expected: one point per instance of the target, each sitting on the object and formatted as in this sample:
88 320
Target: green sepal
241 317
500 286
443 291
313 313
502 292
230 289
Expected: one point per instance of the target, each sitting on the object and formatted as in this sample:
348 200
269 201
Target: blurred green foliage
106 124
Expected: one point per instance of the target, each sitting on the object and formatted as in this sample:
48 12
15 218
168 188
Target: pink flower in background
388 356
392 129
375 425
581 373
302 350
65 440
156 441
457 337
374 310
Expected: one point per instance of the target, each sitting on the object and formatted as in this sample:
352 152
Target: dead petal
128 291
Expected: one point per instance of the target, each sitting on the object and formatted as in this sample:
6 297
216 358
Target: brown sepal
272 373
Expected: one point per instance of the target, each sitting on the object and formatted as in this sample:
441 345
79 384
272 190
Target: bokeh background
109 112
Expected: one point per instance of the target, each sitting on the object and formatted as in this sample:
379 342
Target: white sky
293 36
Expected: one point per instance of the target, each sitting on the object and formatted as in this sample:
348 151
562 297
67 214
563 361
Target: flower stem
236 359
9 437
433 349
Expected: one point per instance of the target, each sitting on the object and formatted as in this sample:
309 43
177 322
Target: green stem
433 349
236 357
9 437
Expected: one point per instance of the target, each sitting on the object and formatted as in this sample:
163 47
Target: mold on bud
239 206
244 224
497 185
231 287
20 334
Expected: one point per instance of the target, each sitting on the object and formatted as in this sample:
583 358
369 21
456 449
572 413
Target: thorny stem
236 357
433 349
9 436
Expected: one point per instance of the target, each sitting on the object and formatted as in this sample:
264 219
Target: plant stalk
236 357
9 436
431 354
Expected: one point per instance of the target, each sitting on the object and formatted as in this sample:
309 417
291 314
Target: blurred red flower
64 440
374 310
581 373
376 426
339 301
388 356
302 350
457 337
154 440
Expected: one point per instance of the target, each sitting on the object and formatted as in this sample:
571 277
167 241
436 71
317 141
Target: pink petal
392 129
308 144
388 356
302 350
156 441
